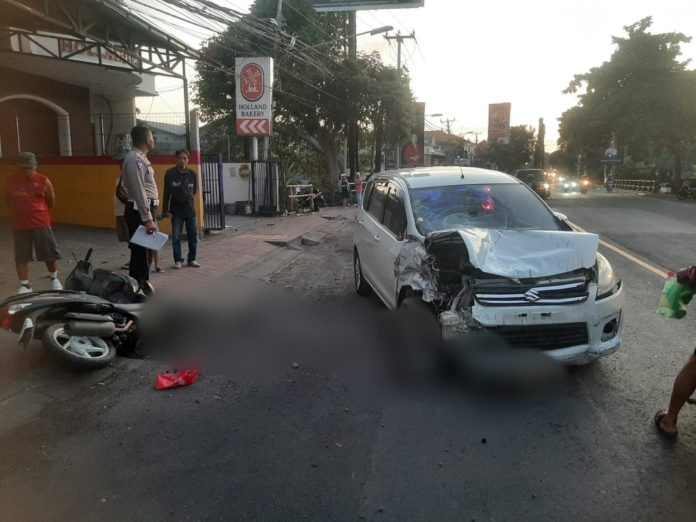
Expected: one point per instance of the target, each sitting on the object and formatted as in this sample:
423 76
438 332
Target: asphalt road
290 422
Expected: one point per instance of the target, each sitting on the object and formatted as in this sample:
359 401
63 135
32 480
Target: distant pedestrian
358 189
30 197
143 199
685 382
180 187
344 186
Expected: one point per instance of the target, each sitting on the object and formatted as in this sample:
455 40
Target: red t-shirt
28 197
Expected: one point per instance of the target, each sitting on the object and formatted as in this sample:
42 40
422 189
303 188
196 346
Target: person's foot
158 269
664 427
24 289
177 265
55 284
194 264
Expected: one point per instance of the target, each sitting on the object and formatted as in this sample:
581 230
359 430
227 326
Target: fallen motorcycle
84 325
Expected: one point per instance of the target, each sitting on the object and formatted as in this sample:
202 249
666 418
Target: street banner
254 96
498 121
413 155
358 5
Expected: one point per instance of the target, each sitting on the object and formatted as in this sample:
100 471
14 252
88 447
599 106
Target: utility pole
279 27
449 134
399 39
352 125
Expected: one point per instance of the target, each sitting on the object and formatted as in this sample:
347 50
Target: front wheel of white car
362 287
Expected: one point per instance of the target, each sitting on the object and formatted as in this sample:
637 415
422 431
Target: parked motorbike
84 325
686 193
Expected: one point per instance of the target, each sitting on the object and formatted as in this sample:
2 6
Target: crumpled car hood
525 254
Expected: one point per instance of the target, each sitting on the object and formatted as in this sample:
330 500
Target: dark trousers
139 268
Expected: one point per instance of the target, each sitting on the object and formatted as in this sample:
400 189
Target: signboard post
254 96
358 5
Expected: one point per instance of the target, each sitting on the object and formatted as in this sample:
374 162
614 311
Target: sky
468 54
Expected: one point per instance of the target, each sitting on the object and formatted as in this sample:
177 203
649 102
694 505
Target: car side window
375 205
366 195
394 212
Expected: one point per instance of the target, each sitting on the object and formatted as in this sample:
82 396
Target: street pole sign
611 155
358 5
254 96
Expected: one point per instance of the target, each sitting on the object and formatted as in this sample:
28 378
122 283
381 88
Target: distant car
536 179
476 250
571 185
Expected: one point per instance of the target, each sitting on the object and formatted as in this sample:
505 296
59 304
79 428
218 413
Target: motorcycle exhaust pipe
90 329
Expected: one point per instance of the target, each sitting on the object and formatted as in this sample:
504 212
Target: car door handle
377 238
360 222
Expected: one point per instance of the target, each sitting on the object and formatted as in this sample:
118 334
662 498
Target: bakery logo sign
254 102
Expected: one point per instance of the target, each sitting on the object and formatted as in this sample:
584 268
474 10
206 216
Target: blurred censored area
251 332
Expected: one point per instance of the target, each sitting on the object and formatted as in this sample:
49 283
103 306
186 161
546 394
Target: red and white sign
253 127
254 96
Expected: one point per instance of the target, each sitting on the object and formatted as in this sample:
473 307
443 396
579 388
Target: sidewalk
252 246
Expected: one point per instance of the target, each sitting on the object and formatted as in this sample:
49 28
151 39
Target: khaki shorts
40 240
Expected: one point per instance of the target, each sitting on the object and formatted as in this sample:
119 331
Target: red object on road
169 380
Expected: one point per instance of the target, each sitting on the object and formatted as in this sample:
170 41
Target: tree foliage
644 96
512 155
319 89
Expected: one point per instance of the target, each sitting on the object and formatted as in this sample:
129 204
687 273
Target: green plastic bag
674 299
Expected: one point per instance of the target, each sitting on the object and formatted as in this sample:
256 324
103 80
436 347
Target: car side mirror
561 217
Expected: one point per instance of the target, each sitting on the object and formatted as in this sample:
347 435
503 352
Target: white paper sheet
152 241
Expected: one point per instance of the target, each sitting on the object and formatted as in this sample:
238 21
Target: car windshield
505 206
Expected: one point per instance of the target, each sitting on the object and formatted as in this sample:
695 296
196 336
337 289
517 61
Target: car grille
559 293
543 337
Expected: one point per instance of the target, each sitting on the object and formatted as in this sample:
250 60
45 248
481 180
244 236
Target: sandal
658 424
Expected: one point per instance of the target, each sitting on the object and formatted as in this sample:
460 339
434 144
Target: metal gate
265 187
213 196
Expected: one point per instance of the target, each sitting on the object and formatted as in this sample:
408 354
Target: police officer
139 181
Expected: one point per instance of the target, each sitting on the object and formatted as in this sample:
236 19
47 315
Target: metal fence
212 190
267 185
636 185
96 134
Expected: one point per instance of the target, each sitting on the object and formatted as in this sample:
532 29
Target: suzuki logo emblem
532 296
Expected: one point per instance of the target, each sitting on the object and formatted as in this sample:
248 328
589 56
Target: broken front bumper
570 334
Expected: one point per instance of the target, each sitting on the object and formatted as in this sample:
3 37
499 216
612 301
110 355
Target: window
394 212
504 206
375 205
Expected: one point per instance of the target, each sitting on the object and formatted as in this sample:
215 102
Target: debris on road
169 380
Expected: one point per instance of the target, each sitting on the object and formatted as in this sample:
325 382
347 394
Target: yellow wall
85 193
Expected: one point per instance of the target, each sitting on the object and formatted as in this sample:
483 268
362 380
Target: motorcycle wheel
681 195
80 352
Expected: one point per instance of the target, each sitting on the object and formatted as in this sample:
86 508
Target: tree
643 97
319 89
512 155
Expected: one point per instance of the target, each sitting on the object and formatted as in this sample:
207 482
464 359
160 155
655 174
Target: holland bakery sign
254 96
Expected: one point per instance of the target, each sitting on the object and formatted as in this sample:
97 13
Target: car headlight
546 186
607 281
573 184
565 185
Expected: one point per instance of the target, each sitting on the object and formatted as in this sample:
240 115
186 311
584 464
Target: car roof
422 177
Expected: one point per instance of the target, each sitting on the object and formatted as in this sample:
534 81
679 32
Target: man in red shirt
30 196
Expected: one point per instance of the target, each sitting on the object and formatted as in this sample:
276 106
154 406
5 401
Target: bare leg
22 271
52 266
684 386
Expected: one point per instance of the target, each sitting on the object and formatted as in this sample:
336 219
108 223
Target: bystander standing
180 187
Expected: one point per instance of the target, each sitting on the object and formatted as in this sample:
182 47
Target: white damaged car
481 251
